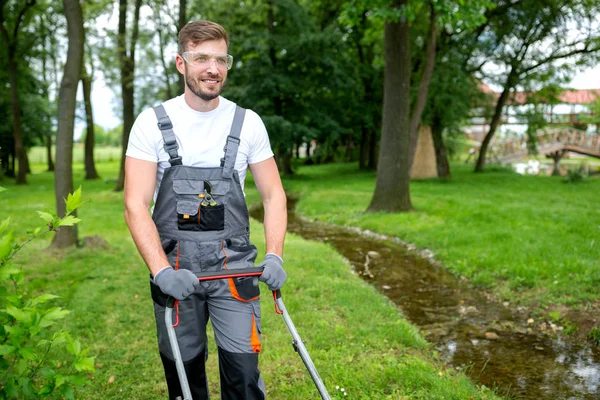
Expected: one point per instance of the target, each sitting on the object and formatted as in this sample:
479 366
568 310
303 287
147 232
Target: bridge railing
545 139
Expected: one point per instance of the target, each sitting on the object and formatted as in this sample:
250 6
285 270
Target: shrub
36 361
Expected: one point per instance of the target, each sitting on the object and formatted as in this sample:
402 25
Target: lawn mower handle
226 274
297 341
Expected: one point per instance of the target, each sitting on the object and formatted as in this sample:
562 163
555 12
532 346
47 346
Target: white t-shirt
201 137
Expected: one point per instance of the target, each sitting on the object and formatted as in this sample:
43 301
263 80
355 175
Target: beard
194 86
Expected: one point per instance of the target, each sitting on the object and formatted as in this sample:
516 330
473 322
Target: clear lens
204 60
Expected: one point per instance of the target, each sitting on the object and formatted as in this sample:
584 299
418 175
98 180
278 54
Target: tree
126 53
92 11
528 41
63 181
89 164
393 168
393 173
181 21
290 71
10 40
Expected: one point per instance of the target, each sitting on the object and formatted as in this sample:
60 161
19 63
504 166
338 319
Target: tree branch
585 50
28 4
135 32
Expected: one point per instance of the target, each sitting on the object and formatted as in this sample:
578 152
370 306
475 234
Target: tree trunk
181 23
495 121
10 41
161 47
372 143
393 169
17 131
27 166
127 64
424 82
63 180
49 153
90 165
363 148
441 155
349 147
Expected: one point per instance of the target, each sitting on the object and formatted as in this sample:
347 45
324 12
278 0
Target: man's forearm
275 223
146 239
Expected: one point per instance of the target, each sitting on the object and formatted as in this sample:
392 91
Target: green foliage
576 175
104 137
594 335
298 71
35 363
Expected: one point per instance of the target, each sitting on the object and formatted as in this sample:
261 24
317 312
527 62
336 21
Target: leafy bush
36 362
575 175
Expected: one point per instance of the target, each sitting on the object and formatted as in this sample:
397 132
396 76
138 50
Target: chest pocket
201 204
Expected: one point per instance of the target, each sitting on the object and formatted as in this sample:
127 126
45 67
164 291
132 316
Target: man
190 157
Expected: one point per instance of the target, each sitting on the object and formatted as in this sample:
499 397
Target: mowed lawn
530 240
357 339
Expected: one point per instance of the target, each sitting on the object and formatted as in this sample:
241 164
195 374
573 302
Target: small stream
481 337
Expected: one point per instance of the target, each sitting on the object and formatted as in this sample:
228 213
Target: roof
568 96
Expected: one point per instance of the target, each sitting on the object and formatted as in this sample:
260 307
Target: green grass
357 339
38 155
533 240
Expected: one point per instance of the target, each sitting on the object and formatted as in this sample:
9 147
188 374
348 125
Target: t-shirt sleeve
260 147
141 143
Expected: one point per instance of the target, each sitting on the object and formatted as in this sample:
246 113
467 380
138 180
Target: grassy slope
534 240
356 338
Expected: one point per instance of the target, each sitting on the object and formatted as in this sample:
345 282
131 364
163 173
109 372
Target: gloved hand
273 274
177 283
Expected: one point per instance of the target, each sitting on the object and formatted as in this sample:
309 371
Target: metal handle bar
229 273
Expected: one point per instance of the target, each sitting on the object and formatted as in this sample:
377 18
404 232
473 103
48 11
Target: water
485 339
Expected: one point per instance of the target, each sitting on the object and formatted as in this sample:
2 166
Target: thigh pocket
243 289
240 253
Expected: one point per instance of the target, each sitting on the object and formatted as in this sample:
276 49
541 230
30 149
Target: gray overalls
202 220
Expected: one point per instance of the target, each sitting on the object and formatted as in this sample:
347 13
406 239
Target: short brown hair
197 32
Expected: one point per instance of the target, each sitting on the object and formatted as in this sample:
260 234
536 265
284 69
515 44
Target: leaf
74 347
73 201
85 364
28 353
52 316
18 313
6 349
2 189
6 245
46 216
8 270
47 372
67 391
69 220
59 380
4 224
27 387
43 298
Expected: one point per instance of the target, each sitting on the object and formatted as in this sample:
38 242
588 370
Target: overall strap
233 142
166 129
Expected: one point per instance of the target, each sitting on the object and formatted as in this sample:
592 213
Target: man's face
206 80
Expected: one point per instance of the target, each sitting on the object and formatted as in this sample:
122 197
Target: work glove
273 274
176 283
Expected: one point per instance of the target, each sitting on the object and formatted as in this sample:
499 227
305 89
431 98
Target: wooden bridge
554 144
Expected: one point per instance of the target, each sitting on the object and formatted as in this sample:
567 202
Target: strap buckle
164 123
